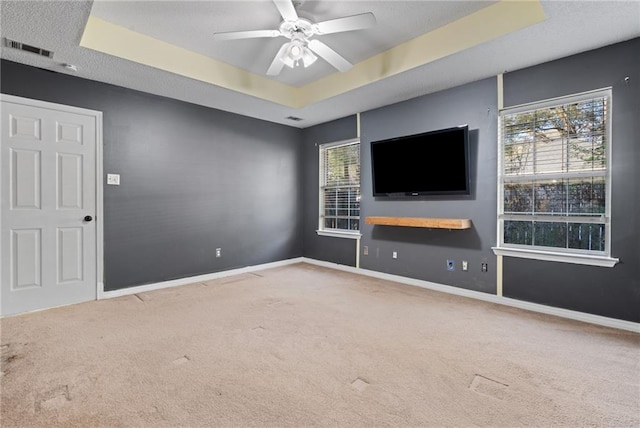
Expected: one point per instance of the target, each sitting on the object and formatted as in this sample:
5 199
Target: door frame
99 209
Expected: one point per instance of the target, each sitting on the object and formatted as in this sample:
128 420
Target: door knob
88 218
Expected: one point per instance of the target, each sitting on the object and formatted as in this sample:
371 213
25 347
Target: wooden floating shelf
434 223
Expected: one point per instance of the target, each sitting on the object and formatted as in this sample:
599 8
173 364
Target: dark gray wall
612 292
330 249
422 253
192 179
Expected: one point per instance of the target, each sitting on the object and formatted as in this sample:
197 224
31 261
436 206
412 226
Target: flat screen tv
431 163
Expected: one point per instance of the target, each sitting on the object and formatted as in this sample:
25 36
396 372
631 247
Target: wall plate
113 179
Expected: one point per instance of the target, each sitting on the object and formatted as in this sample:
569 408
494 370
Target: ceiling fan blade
286 9
329 55
235 35
277 64
348 23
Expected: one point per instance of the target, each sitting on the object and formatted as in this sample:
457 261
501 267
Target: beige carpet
307 346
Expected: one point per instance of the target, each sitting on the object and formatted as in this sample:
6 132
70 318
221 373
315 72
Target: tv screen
431 163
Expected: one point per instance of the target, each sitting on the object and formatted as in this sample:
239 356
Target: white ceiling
192 27
570 27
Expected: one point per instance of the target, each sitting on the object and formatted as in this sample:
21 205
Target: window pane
563 138
587 196
550 234
354 224
343 202
330 223
551 197
588 136
330 202
343 223
518 197
518 232
587 154
518 154
342 165
586 236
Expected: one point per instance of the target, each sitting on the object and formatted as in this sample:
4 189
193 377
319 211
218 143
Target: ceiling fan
302 47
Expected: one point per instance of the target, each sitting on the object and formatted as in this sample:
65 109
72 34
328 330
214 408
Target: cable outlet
365 250
218 252
451 265
113 179
394 255
465 265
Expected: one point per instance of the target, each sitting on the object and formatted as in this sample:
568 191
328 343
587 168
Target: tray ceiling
416 47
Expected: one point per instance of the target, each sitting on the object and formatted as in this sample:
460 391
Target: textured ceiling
568 27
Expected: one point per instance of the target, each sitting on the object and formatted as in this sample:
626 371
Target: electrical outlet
365 250
394 255
465 265
451 265
218 252
485 267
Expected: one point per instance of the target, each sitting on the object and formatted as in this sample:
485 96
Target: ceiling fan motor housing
290 29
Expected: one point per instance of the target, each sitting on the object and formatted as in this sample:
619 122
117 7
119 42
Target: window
340 189
554 180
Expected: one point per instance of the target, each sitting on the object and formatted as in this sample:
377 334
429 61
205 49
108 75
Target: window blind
554 174
340 186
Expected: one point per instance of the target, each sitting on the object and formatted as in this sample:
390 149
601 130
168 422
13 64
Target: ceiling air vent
27 48
294 118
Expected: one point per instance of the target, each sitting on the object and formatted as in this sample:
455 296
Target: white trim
567 255
547 176
499 265
46 104
550 218
552 102
321 176
499 272
576 258
339 234
194 279
492 298
500 85
99 208
340 143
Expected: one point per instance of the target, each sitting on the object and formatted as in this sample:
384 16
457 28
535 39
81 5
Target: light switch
113 179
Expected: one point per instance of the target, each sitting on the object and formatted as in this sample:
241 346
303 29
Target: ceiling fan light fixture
308 57
297 52
295 49
288 61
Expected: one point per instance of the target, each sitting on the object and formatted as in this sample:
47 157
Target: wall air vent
294 118
27 48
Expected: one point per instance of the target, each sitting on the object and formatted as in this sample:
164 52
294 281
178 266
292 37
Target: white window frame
322 231
566 255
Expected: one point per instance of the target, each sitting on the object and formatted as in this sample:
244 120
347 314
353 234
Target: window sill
581 259
339 234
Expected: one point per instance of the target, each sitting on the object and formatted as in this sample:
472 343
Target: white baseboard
492 298
192 279
534 307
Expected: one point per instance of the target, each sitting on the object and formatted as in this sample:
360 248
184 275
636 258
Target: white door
48 190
